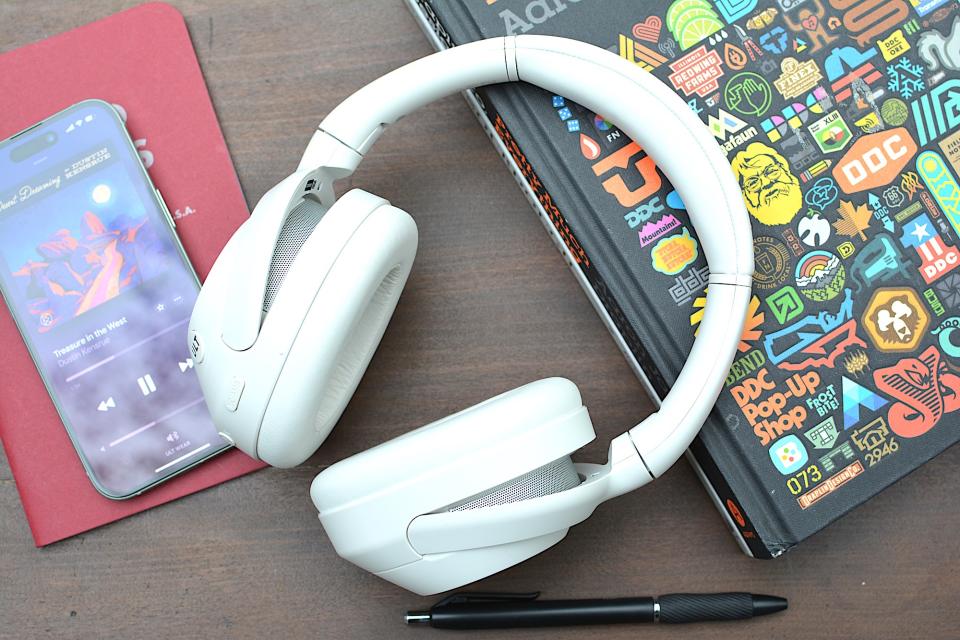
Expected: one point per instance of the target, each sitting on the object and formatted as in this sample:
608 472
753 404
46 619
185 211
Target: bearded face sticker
770 191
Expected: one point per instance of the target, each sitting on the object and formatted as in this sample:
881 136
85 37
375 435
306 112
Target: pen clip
463 598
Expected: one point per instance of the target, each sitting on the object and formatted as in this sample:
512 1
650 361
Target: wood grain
490 305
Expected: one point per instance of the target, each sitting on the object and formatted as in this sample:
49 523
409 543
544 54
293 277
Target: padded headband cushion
637 102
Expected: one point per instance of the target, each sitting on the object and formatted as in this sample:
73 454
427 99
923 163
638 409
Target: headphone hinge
325 152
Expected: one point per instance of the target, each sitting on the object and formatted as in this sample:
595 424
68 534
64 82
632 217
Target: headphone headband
643 108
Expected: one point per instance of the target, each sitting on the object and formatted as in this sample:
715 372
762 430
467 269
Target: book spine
594 287
726 502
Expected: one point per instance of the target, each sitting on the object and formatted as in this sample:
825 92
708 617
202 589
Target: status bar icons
76 124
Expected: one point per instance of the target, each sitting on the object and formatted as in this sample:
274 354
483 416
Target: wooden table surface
490 305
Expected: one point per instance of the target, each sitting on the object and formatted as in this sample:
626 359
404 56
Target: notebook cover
840 119
141 59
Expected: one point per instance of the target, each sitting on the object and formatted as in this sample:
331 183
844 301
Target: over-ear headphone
297 302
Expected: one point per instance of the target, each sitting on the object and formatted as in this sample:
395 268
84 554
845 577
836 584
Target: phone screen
101 291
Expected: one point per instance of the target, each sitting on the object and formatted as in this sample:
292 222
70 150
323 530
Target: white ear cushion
368 501
339 334
453 437
358 348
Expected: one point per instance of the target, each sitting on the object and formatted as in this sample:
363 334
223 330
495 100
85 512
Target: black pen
505 610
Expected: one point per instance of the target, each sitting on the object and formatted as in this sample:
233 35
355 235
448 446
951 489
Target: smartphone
101 290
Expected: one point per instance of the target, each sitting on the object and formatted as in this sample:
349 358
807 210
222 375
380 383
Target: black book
840 120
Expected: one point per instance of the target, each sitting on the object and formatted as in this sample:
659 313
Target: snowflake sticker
906 78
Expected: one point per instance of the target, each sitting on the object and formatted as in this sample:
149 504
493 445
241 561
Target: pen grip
705 607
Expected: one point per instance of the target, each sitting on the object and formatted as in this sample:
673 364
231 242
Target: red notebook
141 59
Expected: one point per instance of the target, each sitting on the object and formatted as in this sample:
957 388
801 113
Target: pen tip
765 605
417 617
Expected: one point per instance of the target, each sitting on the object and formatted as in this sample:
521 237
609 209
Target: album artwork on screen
78 253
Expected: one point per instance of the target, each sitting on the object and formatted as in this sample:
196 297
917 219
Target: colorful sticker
770 191
937 112
788 455
689 285
822 193
950 146
690 21
923 390
879 261
697 73
895 319
748 94
814 229
773 409
785 304
855 398
831 484
830 132
837 457
874 160
797 77
893 46
942 185
824 435
820 276
675 253
821 338
948 344
936 257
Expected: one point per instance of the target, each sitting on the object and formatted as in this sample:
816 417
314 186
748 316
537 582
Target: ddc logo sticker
788 454
875 160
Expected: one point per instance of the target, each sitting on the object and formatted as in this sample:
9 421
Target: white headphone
296 304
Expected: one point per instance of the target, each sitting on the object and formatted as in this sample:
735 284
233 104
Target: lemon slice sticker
689 16
697 29
679 7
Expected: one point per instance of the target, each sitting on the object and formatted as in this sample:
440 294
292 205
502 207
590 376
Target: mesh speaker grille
555 477
296 229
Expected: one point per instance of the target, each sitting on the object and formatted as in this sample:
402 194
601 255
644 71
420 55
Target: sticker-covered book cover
840 121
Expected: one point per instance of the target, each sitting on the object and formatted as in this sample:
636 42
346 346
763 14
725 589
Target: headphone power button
234 392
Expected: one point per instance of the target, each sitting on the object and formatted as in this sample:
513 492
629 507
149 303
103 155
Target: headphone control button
234 393
196 347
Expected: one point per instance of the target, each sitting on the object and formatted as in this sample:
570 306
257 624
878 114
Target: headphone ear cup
340 331
509 451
